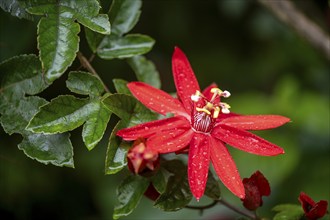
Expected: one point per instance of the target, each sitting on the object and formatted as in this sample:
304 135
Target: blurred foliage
238 44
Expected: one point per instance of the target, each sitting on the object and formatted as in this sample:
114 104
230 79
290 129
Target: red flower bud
255 187
151 192
142 159
313 210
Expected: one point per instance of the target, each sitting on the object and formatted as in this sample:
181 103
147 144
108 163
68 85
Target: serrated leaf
58 39
117 150
55 149
129 194
84 83
128 109
121 86
124 47
145 70
123 15
63 113
288 212
22 75
177 194
17 8
95 126
212 188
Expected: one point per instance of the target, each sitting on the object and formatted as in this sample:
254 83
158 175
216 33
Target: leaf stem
86 64
223 202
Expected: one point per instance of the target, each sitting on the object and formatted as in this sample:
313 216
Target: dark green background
240 45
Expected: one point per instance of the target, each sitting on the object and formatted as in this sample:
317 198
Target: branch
290 15
86 64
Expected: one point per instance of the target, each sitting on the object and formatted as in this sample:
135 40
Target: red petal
147 129
156 99
225 168
207 92
255 122
184 78
245 141
198 164
170 140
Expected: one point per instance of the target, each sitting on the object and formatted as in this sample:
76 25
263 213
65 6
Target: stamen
225 108
203 110
216 91
225 94
216 112
196 96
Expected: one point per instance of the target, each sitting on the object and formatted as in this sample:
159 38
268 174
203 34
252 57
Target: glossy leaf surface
177 193
124 47
129 194
288 212
22 75
84 83
58 32
145 71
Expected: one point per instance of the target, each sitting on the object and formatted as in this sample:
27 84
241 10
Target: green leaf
55 149
128 109
58 39
212 189
84 83
123 15
159 180
288 212
145 70
95 125
93 39
117 150
17 8
63 113
124 47
129 194
121 86
22 75
177 194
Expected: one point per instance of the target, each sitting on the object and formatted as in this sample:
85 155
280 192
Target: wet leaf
117 150
84 83
22 75
124 14
129 194
17 8
145 70
177 193
58 39
128 109
124 47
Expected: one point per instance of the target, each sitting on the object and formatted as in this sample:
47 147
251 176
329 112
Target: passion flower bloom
255 187
313 210
204 123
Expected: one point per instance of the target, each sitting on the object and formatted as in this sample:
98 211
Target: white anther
225 94
195 98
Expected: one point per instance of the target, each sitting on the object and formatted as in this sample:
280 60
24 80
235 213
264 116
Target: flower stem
86 64
239 211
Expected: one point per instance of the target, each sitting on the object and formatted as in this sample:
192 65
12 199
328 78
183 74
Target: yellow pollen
209 105
203 110
216 90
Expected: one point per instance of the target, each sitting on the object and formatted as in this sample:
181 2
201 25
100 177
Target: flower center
206 111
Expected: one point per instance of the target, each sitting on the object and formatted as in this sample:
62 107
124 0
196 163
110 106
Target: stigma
206 111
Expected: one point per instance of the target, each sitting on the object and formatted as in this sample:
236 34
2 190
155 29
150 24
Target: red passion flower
202 122
313 210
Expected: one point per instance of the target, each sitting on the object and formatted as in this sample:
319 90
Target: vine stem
223 202
86 64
